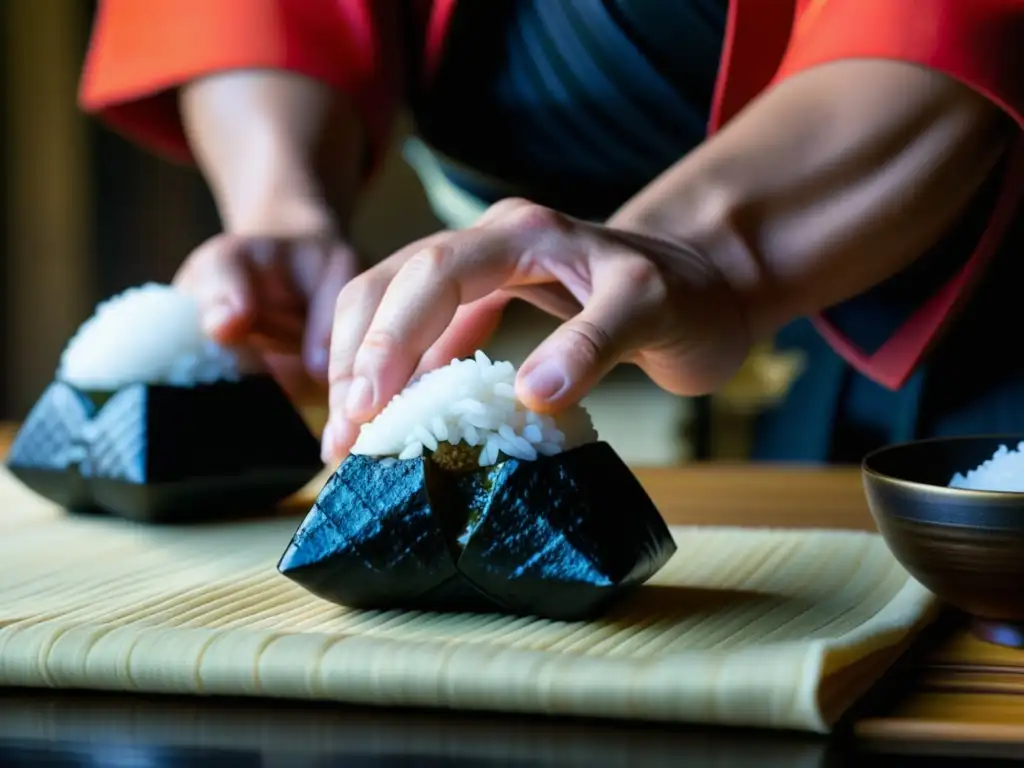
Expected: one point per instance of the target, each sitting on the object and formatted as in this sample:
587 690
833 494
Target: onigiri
150 334
148 418
457 497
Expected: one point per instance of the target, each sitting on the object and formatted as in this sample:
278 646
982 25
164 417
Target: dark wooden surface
949 696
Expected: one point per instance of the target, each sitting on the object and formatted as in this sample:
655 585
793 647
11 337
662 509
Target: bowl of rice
951 511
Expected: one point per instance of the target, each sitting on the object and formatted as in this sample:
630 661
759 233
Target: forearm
830 183
277 150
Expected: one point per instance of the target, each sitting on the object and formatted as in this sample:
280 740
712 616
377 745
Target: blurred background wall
85 214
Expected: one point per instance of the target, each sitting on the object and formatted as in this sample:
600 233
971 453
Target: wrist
273 190
277 199
280 152
712 218
283 216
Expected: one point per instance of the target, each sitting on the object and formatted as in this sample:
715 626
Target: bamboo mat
773 628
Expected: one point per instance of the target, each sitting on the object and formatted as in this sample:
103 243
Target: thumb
217 276
580 352
342 265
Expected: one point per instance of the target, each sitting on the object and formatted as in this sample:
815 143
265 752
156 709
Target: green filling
460 490
98 397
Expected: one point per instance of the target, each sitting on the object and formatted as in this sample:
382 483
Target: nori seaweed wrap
149 420
560 536
158 453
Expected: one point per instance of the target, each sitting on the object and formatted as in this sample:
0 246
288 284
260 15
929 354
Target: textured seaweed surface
152 452
560 537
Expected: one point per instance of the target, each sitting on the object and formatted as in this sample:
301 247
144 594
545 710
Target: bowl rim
978 494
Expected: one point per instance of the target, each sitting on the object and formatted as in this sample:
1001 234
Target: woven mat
773 628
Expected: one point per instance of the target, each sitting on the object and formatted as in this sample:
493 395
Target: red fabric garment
141 51
978 42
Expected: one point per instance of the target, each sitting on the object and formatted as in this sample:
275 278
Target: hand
275 295
283 156
625 297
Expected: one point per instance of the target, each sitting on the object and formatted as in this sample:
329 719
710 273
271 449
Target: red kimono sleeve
142 50
978 42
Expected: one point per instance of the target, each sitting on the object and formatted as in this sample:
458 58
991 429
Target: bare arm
279 151
828 184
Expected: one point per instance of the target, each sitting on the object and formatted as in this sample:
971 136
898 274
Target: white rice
473 402
149 334
1003 472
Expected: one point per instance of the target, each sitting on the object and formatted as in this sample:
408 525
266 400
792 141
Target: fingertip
542 386
327 444
343 429
380 372
328 447
338 438
345 439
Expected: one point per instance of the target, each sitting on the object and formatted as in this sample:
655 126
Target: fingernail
360 397
546 381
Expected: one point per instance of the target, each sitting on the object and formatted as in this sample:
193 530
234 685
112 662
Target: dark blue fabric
801 427
833 414
972 383
569 100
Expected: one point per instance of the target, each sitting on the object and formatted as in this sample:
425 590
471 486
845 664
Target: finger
282 328
555 299
272 265
470 330
354 311
341 267
472 327
501 209
355 307
419 305
350 320
578 354
338 438
216 275
280 334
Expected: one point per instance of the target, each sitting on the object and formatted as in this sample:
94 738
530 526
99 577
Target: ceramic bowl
966 546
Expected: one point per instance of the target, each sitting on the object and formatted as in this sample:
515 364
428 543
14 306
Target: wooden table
949 694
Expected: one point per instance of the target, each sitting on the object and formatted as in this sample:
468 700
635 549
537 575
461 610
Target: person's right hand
275 295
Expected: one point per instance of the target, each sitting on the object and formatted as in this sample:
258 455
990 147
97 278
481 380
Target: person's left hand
624 297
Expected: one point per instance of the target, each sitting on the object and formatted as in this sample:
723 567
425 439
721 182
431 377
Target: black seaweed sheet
158 453
560 537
